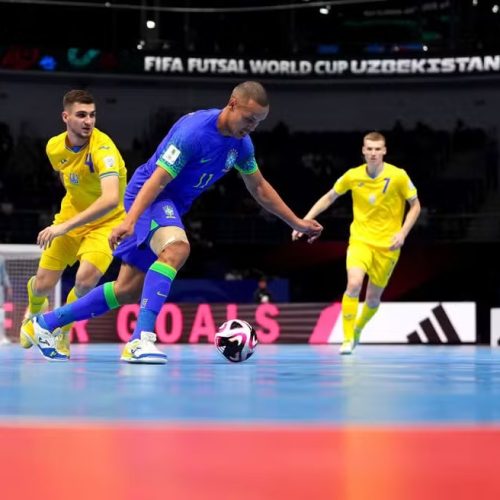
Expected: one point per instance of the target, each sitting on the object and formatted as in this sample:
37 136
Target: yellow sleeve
343 184
107 160
50 152
407 186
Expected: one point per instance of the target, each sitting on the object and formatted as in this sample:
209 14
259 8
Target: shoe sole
144 361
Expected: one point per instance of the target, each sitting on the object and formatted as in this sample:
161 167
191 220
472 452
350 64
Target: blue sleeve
178 147
246 162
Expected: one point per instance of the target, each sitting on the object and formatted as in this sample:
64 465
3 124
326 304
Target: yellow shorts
91 246
376 262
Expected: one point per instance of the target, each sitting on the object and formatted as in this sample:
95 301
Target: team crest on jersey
169 212
230 160
73 178
63 161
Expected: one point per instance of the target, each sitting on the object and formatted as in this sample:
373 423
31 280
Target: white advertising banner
418 323
495 326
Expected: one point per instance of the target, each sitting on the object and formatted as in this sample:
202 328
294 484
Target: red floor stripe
106 462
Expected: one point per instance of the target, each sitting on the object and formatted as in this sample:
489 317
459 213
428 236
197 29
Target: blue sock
96 302
154 294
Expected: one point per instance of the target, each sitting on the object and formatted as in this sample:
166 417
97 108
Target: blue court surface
301 417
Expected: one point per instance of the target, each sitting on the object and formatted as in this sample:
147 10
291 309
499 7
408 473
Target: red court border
140 462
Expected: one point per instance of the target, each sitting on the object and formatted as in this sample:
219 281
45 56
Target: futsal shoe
32 333
28 315
347 347
62 342
143 350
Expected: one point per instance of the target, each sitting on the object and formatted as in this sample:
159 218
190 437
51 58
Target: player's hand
119 233
46 236
398 240
296 235
311 228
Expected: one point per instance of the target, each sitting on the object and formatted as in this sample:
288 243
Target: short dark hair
74 96
251 90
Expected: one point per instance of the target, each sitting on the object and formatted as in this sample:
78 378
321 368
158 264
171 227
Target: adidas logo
430 332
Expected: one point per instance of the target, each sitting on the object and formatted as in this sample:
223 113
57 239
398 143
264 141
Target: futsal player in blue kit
151 241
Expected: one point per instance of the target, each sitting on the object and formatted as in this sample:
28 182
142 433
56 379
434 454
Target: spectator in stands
379 195
262 295
5 292
94 176
152 243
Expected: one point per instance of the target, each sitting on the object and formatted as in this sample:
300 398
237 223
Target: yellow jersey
378 203
81 172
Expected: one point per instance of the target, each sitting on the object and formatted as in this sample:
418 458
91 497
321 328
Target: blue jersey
196 155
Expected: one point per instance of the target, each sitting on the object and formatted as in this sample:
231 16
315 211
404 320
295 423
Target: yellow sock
72 296
35 302
349 311
366 314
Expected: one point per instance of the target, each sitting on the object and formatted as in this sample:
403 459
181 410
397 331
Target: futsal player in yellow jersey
380 192
94 176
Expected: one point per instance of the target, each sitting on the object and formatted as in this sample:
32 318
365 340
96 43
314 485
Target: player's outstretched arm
320 206
146 195
109 199
269 198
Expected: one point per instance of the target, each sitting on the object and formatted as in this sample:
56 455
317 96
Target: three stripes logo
430 332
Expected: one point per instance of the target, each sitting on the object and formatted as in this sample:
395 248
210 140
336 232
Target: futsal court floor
293 422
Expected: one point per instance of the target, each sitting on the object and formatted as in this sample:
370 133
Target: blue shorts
135 249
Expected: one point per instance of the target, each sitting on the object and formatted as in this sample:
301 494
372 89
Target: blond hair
374 136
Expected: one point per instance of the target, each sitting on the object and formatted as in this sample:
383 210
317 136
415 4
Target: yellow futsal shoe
143 350
63 343
27 315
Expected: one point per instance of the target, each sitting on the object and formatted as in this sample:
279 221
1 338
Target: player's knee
175 254
43 285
